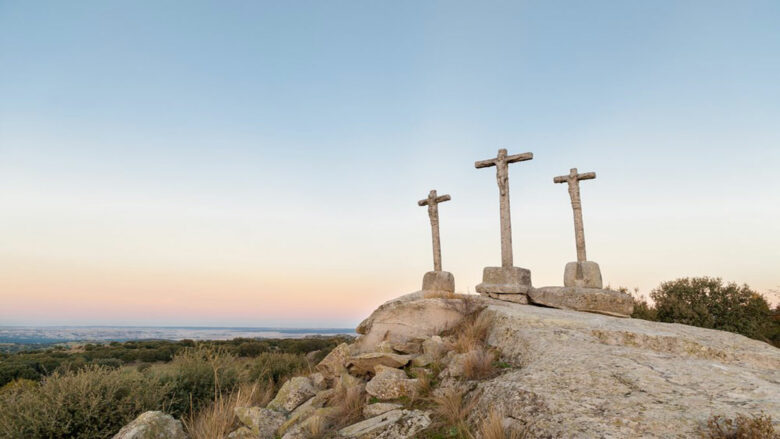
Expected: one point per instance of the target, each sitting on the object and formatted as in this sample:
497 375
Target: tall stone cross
574 192
501 162
433 212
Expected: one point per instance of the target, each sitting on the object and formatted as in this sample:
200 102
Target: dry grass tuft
453 407
350 400
217 420
317 426
472 333
479 364
742 427
493 428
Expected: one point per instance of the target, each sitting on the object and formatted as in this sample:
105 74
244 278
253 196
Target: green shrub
94 402
198 375
709 303
275 367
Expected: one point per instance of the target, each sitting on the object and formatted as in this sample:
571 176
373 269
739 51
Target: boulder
378 408
242 433
607 302
306 409
319 421
263 423
390 383
395 424
409 318
292 394
152 425
591 375
319 381
333 365
365 363
435 347
408 347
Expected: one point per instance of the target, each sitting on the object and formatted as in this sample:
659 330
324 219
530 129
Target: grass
217 420
473 332
452 407
742 427
479 364
493 428
350 400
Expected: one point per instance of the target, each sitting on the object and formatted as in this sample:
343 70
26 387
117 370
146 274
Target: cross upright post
432 202
501 162
573 179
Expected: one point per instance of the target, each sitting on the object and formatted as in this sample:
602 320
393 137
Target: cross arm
436 200
586 176
520 157
561 179
485 163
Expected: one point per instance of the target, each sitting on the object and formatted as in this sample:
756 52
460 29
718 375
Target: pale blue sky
282 147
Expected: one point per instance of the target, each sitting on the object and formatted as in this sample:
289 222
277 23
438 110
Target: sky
259 163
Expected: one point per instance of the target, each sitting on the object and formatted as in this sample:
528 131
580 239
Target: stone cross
574 192
501 162
433 212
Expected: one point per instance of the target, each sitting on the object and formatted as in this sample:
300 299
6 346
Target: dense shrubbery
34 365
93 402
86 400
709 303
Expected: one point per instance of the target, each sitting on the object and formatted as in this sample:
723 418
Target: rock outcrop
590 375
562 373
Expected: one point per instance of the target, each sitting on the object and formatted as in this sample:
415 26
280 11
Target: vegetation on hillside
83 397
710 303
34 365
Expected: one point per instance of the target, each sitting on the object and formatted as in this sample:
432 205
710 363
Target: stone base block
613 303
438 282
585 274
505 280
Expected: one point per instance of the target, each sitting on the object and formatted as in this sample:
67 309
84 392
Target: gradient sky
259 163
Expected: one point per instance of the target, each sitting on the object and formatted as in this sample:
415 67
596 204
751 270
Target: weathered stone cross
574 192
433 212
501 162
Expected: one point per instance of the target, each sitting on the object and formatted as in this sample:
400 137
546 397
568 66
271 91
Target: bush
708 303
276 367
200 375
94 402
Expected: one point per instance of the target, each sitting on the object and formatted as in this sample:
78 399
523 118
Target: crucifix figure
501 162
581 273
433 212
506 282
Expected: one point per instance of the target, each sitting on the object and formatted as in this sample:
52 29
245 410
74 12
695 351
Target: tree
709 303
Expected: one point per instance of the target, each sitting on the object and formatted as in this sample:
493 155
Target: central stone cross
573 179
433 212
501 162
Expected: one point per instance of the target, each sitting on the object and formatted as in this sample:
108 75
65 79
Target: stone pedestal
438 282
585 274
505 283
613 303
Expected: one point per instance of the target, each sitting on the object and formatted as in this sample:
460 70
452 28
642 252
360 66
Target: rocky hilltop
533 371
